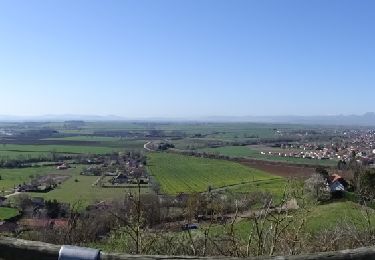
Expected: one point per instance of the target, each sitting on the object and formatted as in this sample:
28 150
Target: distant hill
367 119
59 118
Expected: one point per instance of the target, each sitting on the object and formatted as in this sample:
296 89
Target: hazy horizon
186 59
367 119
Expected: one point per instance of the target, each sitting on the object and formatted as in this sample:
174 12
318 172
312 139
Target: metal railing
11 249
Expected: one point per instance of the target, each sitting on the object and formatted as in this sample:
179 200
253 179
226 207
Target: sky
187 58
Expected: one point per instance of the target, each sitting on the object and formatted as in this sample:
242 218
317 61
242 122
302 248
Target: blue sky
187 58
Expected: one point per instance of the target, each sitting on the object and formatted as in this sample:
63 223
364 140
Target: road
12 194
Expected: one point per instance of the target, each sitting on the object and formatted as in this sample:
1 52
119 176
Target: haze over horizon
186 59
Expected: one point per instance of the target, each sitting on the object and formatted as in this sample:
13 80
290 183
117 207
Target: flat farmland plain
178 173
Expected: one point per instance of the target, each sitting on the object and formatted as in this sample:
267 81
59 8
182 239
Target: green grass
15 151
7 213
318 219
13 177
82 191
246 152
89 138
9 155
178 173
275 187
57 148
329 215
69 191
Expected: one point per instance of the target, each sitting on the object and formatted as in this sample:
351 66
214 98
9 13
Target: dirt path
12 194
242 183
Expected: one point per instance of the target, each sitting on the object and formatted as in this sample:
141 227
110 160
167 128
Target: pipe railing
12 249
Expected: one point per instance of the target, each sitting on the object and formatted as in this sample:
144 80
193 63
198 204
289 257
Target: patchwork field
179 173
75 149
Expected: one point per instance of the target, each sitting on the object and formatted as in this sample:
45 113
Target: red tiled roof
334 177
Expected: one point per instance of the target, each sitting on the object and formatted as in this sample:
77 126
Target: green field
7 213
82 191
179 173
10 155
12 177
247 152
88 138
317 219
329 215
58 148
15 151
79 189
275 186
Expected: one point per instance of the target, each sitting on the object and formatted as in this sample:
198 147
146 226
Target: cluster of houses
123 169
303 154
44 183
358 144
133 176
63 166
35 215
35 187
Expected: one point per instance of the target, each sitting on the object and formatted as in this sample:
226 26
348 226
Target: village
353 143
118 171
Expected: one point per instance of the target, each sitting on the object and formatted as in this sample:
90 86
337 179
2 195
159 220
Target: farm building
35 188
62 167
121 178
337 185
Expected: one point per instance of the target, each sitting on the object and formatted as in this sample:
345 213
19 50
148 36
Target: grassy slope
275 186
244 151
319 218
329 215
179 173
7 213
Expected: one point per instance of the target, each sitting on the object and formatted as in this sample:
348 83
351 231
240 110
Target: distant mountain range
367 119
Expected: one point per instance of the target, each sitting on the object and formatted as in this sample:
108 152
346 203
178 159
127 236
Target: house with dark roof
337 185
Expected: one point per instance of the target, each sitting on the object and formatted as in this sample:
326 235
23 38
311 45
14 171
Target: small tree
318 188
22 201
53 208
366 184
